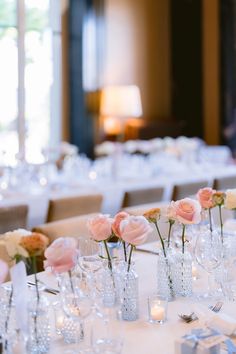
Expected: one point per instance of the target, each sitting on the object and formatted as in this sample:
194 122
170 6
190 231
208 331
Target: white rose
230 199
12 240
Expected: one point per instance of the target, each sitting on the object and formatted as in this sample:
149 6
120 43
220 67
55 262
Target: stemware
89 255
209 255
77 306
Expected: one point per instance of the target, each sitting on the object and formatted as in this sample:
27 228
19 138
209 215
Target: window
30 54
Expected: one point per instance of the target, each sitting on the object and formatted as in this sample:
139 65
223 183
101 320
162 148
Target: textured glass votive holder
59 317
157 309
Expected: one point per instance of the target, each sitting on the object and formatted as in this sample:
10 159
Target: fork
217 307
193 317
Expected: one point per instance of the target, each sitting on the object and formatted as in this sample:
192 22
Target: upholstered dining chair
223 183
13 217
74 227
184 190
142 196
62 208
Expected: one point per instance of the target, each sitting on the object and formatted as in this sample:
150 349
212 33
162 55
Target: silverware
217 307
146 251
189 318
193 317
46 289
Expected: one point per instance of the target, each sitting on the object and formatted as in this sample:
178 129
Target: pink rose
170 212
204 197
135 230
188 211
3 271
61 255
117 220
100 227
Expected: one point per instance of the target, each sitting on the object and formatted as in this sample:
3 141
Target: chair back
181 191
13 217
223 183
73 227
142 196
68 207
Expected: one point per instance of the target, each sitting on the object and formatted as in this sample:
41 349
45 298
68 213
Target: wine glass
89 255
209 255
77 306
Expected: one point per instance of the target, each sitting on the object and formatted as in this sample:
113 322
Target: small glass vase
8 327
182 274
111 276
165 284
39 328
129 295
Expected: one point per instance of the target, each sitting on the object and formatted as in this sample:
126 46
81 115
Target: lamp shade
121 101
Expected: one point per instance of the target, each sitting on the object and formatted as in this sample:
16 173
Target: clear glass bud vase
39 328
165 284
8 327
129 295
182 274
112 274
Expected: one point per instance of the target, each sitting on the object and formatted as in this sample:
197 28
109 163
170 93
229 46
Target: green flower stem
169 232
8 317
125 252
108 255
221 225
34 265
130 255
210 220
161 239
183 238
71 282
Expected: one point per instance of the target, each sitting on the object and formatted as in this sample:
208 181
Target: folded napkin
221 322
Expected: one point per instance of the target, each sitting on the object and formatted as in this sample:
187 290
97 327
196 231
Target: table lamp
118 103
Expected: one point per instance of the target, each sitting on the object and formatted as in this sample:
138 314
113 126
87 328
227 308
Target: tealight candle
194 272
157 309
60 322
157 313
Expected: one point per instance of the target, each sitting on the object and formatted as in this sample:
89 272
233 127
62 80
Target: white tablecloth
141 337
112 191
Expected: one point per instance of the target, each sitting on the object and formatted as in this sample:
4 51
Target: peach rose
205 197
100 227
218 198
3 271
61 255
117 220
152 215
135 230
35 244
187 210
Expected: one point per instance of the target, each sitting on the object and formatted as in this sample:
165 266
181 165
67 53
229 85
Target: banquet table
142 337
112 190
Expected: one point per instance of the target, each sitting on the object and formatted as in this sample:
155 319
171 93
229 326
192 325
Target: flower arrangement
3 271
26 246
210 198
131 230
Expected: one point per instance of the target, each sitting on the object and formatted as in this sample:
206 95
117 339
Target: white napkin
221 322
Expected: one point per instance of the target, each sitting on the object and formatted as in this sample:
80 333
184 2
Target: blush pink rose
61 255
3 271
135 230
187 211
100 227
117 220
205 197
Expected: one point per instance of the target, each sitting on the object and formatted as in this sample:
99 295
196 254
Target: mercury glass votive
157 309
